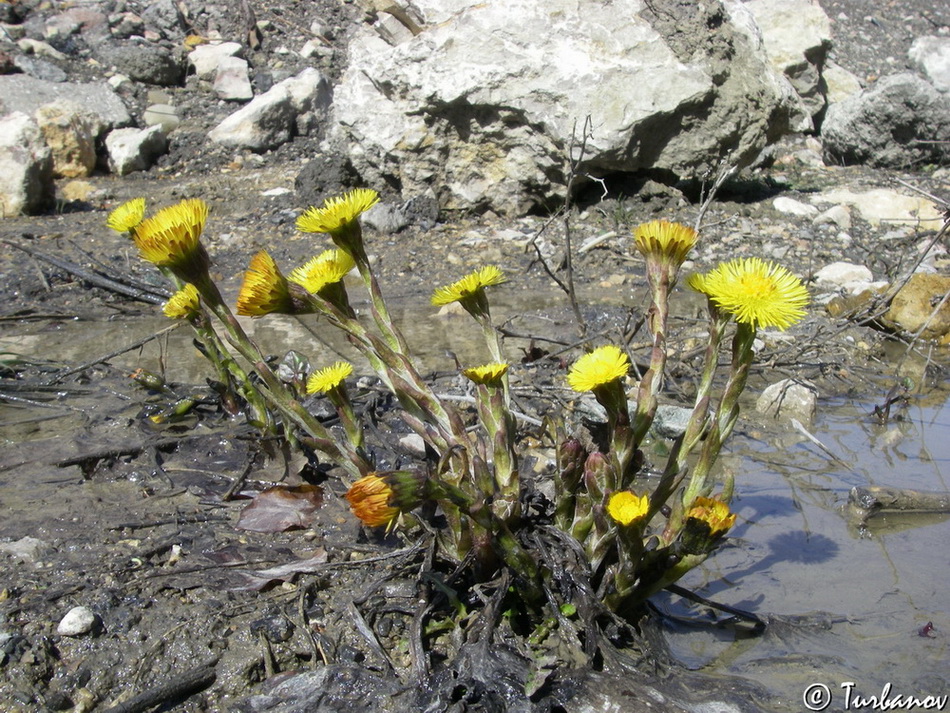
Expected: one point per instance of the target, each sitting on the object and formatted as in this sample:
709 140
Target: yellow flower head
697 281
469 286
327 268
170 238
183 304
756 292
487 374
370 499
329 377
663 239
600 367
264 290
127 216
626 507
338 217
715 513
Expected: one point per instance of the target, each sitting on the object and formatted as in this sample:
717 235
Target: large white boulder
483 104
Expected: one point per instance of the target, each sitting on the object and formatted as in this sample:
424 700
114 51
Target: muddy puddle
852 609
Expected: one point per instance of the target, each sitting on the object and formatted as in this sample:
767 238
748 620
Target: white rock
796 35
841 275
883 205
838 215
481 106
134 149
270 119
932 55
26 166
231 82
790 206
26 548
78 621
788 399
414 444
206 58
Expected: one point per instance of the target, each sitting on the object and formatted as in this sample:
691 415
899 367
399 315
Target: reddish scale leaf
281 508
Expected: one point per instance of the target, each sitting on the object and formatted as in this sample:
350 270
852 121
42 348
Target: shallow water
845 603
848 601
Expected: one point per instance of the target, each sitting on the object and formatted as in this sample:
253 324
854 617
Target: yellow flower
756 292
697 281
338 217
626 507
264 290
170 238
663 239
715 513
469 286
487 374
327 268
328 378
183 304
600 367
370 499
127 216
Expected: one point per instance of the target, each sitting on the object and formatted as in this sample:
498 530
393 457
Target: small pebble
78 621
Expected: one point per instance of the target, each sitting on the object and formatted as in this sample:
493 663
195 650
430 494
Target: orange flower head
370 499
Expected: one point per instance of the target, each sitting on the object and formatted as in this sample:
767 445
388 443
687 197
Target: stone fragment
913 308
231 81
839 215
70 132
480 108
796 35
134 149
894 123
206 58
931 55
790 206
164 115
27 94
270 119
385 218
26 549
843 275
26 166
839 83
788 399
77 621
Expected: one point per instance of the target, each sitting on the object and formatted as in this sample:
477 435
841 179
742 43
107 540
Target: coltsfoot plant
635 538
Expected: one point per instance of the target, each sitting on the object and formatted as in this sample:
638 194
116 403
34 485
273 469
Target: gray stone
931 55
78 621
671 421
126 24
146 63
26 549
39 68
385 218
26 166
231 82
796 35
892 124
482 108
164 16
70 132
270 119
839 215
788 399
134 149
38 47
839 82
26 94
204 59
